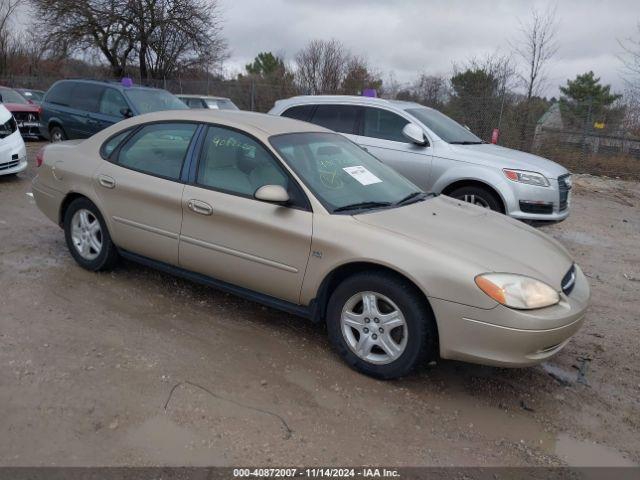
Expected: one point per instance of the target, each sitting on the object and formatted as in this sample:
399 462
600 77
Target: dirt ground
135 367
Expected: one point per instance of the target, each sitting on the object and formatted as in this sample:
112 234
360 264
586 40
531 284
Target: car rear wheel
380 325
57 134
478 195
87 237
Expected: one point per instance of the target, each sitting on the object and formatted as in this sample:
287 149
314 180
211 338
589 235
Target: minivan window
147 100
299 112
59 94
158 149
112 103
86 96
383 124
444 127
339 118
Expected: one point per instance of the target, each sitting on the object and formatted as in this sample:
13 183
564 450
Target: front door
228 234
140 192
381 136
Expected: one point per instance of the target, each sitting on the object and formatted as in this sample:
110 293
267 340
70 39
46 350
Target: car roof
257 124
348 99
109 83
212 97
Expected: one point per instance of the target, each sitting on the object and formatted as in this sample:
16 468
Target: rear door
381 135
339 118
228 234
140 189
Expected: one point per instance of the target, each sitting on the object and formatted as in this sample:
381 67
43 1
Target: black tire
56 134
483 196
422 339
108 255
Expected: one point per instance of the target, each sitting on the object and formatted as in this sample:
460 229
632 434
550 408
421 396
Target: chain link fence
584 137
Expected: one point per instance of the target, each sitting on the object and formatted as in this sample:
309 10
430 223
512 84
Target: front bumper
527 201
13 154
505 337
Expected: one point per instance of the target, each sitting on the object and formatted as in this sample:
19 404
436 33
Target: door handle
200 207
106 181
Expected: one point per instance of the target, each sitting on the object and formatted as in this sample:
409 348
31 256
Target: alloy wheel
475 199
374 328
86 234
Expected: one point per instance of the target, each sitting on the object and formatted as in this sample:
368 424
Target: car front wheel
477 195
57 134
380 325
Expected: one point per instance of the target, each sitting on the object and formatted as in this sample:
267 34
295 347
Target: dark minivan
79 108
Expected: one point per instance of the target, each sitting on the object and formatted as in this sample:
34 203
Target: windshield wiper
362 205
412 198
467 143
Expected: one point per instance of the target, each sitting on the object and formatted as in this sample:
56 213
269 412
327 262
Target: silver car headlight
530 178
517 291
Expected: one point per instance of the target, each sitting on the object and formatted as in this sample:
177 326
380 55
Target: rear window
339 118
11 96
300 112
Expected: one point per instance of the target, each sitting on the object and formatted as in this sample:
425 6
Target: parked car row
295 216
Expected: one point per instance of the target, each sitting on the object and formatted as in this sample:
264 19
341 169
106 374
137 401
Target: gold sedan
299 218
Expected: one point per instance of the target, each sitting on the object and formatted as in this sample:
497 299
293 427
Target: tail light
39 111
40 157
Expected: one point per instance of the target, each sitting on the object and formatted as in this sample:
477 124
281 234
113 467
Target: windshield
221 103
444 127
340 174
11 96
148 100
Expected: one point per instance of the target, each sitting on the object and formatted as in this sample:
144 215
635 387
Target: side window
112 102
86 96
158 149
59 94
300 112
340 118
236 163
383 124
110 145
195 103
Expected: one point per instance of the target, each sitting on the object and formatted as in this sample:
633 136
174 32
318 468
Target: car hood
502 157
20 107
491 241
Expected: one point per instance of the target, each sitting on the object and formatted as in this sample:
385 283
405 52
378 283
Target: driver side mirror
272 194
126 112
415 134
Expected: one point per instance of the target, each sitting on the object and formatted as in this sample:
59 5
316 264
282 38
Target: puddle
579 453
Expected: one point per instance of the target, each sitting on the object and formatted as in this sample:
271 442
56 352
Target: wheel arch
340 273
473 182
67 200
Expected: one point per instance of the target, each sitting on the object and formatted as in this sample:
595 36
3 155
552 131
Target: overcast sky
411 36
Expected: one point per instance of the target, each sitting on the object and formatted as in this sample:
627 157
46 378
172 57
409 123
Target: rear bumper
504 337
47 200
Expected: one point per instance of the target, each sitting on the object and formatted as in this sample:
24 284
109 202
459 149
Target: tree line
160 40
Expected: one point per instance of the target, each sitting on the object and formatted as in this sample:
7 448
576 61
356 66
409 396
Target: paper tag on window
362 175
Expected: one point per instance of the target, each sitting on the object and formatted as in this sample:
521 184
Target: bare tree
162 35
8 9
631 62
359 76
535 46
321 66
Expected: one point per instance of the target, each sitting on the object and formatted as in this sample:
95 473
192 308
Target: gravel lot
135 367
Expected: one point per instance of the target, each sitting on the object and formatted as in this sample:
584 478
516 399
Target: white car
13 154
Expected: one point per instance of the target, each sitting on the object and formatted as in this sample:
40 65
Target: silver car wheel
86 234
56 136
374 328
471 198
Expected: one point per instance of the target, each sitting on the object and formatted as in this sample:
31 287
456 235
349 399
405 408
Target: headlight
522 176
517 291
